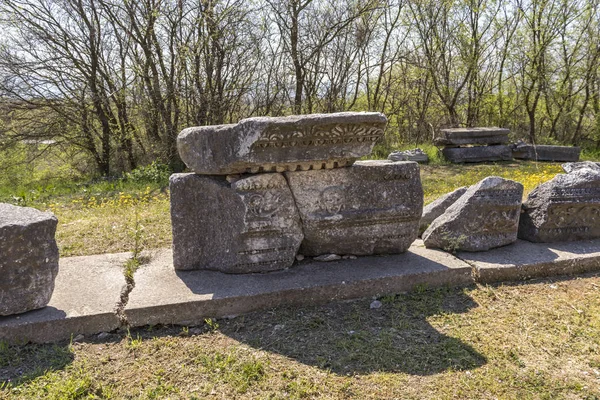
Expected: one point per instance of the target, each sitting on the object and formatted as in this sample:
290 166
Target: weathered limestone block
565 208
463 136
574 166
438 206
417 155
373 207
484 217
28 258
266 144
236 225
525 151
477 154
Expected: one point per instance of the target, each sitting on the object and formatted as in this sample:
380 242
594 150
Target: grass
107 217
536 340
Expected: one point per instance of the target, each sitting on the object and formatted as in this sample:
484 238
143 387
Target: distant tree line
119 79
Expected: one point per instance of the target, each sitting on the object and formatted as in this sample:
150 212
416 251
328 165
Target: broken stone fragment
484 217
373 207
464 136
477 153
438 206
417 155
28 258
248 225
565 208
574 166
276 144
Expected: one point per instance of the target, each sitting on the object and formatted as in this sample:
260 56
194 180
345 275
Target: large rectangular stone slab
477 154
546 152
163 295
464 136
276 144
525 260
236 225
86 294
373 207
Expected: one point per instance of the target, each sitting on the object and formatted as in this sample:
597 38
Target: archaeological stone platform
91 294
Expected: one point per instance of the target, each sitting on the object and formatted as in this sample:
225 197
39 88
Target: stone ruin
485 216
463 145
565 208
540 152
267 189
28 258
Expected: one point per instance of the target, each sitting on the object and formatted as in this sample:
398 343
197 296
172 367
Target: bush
153 173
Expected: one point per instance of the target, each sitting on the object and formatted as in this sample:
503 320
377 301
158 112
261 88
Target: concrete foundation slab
524 260
86 293
165 296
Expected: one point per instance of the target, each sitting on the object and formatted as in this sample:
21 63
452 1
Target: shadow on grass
351 338
20 364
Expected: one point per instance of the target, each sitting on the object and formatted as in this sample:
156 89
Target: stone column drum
373 207
28 258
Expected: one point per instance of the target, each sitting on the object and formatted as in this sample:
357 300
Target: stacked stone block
265 189
462 145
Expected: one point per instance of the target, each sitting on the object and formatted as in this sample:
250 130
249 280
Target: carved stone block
565 208
266 144
546 152
373 207
438 206
235 225
28 258
464 136
477 154
484 217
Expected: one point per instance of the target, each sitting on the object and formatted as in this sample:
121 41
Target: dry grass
537 340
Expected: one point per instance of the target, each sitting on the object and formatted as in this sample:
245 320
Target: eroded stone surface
28 258
484 217
417 155
463 136
438 206
526 151
240 225
477 154
565 208
373 207
267 144
574 166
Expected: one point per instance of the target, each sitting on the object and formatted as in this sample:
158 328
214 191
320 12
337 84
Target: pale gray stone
477 153
373 207
438 206
276 144
417 155
375 304
524 151
484 217
464 136
28 258
574 166
565 208
328 257
242 225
